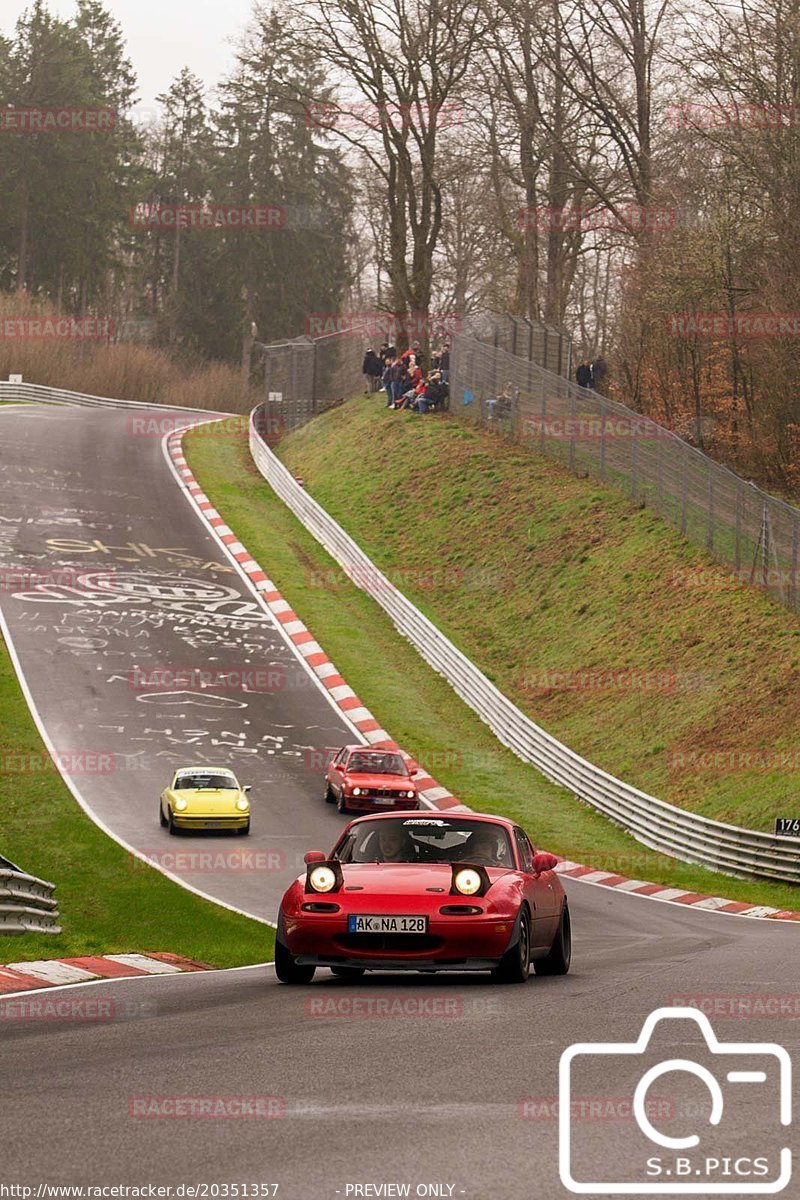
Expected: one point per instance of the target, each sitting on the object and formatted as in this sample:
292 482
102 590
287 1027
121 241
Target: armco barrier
39 393
27 904
656 824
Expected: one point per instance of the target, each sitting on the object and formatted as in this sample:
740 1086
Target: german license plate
365 923
383 800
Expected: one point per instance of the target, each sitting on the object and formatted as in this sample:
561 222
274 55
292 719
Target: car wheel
347 972
340 804
162 819
557 961
288 969
171 826
329 796
243 832
515 965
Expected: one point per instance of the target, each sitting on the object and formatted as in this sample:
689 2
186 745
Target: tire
515 965
329 796
171 826
288 970
347 972
244 831
162 820
558 959
340 804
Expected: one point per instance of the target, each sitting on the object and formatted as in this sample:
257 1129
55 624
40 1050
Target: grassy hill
598 619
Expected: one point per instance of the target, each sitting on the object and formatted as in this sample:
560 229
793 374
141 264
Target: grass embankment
109 902
381 475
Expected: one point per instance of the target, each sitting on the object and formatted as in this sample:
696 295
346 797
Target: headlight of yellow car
181 804
242 804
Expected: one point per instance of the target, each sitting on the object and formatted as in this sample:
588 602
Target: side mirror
544 862
314 856
247 787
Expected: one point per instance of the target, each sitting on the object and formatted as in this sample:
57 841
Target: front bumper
210 821
451 943
372 805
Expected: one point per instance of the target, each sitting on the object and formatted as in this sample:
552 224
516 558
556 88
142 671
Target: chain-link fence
304 376
754 534
526 338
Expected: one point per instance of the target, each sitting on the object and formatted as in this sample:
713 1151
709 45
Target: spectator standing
444 362
386 380
372 370
583 374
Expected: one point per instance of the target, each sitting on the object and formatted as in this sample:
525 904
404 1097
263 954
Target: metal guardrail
41 394
687 836
27 904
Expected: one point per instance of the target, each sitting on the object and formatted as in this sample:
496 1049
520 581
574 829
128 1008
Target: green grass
392 496
109 902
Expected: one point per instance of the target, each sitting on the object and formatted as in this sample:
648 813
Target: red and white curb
303 641
55 972
434 795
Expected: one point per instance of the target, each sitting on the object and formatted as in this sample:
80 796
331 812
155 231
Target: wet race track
446 1083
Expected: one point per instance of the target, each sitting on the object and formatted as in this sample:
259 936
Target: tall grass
123 370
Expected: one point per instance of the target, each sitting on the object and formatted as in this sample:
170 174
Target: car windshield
427 840
370 763
204 779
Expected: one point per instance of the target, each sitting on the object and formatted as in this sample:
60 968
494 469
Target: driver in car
394 845
482 848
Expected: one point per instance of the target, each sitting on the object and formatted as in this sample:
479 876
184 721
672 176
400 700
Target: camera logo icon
729 1106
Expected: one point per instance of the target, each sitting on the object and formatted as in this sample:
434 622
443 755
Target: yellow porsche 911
205 798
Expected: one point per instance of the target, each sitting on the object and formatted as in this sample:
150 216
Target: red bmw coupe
432 892
364 779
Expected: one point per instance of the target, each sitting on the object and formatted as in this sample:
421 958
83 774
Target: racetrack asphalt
449 1081
86 497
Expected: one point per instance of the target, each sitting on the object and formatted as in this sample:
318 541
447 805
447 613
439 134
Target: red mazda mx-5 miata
426 892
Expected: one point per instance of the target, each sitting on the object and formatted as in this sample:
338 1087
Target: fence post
684 486
793 581
738 546
314 397
544 417
573 416
602 437
634 459
710 534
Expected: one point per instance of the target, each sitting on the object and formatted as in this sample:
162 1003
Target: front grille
376 943
381 793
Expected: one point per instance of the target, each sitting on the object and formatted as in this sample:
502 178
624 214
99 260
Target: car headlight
410 795
242 804
322 879
468 881
181 804
356 791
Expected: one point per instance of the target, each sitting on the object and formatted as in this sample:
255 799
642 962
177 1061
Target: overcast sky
164 35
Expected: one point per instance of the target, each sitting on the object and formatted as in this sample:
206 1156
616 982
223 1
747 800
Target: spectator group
404 379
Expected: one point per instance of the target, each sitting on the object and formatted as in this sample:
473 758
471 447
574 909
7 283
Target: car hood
213 800
399 879
379 781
